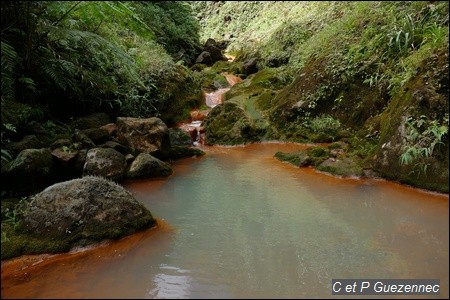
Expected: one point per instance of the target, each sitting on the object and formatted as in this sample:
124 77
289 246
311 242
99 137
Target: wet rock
179 137
84 210
177 152
144 135
198 115
29 172
105 162
147 166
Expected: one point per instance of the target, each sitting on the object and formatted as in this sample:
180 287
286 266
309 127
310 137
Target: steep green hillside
372 74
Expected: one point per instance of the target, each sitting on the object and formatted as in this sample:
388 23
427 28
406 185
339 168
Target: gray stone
105 162
89 209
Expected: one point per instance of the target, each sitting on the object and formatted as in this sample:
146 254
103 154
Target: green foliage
324 123
422 137
8 65
76 57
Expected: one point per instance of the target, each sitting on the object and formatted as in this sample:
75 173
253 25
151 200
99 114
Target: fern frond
8 65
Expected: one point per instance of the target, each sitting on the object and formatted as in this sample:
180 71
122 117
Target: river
237 223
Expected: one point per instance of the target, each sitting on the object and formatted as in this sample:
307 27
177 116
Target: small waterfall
195 128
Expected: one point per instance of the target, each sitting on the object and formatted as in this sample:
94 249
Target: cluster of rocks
212 52
130 148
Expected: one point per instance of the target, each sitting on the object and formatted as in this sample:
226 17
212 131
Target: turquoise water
248 226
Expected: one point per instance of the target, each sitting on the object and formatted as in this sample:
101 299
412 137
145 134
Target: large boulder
144 135
227 124
30 172
105 162
82 211
147 166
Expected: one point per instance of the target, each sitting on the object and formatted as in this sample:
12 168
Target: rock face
30 171
147 166
144 135
105 162
85 210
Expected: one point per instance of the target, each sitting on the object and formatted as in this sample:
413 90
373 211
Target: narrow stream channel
237 223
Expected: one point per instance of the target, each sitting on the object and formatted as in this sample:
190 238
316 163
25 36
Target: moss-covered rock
299 159
147 166
422 98
72 213
31 171
177 152
227 124
344 166
179 137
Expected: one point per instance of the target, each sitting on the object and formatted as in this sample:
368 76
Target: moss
177 152
343 167
299 159
228 124
20 242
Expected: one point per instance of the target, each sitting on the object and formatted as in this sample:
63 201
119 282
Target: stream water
237 223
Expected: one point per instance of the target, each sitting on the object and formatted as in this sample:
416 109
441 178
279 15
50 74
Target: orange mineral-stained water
237 223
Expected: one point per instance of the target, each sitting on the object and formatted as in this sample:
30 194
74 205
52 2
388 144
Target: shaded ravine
249 226
212 99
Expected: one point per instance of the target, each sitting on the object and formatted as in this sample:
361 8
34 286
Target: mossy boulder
177 152
147 166
227 124
31 171
105 162
76 213
299 159
344 166
179 137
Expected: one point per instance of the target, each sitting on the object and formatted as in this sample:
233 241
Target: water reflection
249 226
